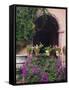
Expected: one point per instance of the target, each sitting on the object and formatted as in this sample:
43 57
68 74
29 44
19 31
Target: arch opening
46 27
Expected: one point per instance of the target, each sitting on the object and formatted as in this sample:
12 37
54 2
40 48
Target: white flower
36 46
47 53
57 53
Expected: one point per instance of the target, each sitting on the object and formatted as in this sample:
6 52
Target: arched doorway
46 27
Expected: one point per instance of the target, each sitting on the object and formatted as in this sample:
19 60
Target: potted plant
47 51
37 48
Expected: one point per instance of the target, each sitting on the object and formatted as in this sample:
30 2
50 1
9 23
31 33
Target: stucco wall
60 15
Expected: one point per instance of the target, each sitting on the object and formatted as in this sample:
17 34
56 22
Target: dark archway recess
46 27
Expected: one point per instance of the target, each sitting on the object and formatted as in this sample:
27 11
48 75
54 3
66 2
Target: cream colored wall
60 15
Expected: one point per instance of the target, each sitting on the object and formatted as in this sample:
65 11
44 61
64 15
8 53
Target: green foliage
52 69
24 23
32 78
46 64
48 48
29 49
18 74
58 49
24 26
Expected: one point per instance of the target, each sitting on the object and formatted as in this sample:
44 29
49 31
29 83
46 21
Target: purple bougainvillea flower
58 66
58 63
35 70
24 69
44 77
